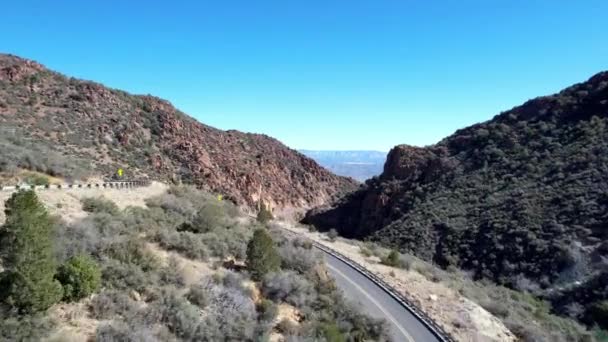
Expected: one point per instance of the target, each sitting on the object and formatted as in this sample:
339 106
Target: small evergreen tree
262 256
26 248
80 277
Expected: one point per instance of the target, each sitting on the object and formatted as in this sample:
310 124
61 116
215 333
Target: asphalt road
377 303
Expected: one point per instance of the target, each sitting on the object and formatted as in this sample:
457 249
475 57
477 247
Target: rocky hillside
521 199
73 128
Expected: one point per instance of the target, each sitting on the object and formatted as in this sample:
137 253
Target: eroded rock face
147 136
420 164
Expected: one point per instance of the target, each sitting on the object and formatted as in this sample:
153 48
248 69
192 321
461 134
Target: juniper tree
262 256
26 248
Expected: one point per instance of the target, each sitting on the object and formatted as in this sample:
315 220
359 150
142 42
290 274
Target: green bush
392 259
25 328
99 205
209 217
80 277
36 179
332 333
262 256
26 246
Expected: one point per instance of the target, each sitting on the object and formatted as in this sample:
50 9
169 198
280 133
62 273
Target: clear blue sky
321 74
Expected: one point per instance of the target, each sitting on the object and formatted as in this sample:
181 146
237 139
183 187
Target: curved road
377 303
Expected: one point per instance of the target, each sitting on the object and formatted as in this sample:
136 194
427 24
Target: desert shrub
188 244
221 301
331 332
36 179
80 277
174 206
288 287
172 274
287 327
497 309
302 243
112 332
109 304
365 252
25 327
20 152
234 280
267 310
93 235
332 234
262 256
26 247
210 216
130 331
132 250
227 242
124 276
99 205
198 295
181 317
298 259
243 323
392 259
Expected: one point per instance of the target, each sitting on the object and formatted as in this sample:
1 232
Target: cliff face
523 196
102 129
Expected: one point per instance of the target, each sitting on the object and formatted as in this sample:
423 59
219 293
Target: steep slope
72 127
521 199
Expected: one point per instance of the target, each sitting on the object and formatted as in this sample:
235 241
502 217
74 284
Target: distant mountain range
360 165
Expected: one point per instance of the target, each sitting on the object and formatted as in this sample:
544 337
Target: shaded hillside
521 199
360 165
71 127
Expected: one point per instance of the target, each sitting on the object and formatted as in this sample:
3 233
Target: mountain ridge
104 129
521 199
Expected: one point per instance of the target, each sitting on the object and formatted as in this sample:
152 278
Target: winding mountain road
377 303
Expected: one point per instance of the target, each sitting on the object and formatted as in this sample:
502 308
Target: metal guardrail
98 185
431 325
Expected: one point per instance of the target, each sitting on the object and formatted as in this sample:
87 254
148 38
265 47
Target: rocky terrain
521 200
74 128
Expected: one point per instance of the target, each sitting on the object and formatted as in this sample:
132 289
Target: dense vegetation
115 262
521 200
